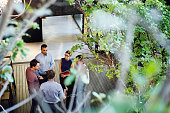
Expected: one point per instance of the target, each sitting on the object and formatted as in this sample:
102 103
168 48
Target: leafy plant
129 38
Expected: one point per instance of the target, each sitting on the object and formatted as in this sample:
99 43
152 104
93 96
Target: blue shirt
52 91
46 62
65 65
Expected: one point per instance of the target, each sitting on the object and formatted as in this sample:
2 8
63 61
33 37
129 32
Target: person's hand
66 88
62 75
40 77
64 97
67 75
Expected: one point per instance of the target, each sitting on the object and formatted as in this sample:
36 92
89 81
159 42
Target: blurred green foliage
6 73
149 59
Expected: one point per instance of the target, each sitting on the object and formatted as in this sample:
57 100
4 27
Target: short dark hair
79 57
33 63
43 46
50 74
68 52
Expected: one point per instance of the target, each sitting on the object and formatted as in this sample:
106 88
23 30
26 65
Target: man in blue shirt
52 91
46 62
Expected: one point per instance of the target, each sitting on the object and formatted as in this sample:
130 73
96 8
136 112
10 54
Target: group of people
40 78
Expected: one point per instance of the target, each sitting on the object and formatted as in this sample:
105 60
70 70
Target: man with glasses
46 63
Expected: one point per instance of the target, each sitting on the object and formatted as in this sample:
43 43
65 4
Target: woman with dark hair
64 68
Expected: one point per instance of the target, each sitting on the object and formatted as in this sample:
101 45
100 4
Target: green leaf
152 68
69 80
14 55
70 0
99 96
20 43
73 71
6 68
35 25
9 77
102 95
26 48
96 94
26 34
2 76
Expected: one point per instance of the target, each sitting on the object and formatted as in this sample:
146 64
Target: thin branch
3 109
4 88
126 51
83 101
4 64
81 9
63 105
24 29
20 104
105 108
39 109
5 17
74 89
59 108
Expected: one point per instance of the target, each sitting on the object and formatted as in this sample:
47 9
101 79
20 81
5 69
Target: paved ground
60 34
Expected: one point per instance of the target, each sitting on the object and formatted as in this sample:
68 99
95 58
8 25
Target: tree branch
5 17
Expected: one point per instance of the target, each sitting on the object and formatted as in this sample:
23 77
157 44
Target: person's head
67 55
79 58
44 49
50 74
34 64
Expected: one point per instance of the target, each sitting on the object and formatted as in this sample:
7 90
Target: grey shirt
52 92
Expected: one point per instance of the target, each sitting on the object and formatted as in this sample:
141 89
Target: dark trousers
45 79
33 106
70 95
68 100
53 108
62 82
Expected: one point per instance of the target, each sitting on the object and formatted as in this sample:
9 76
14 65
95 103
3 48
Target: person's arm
84 70
61 93
41 91
72 65
52 63
30 79
60 66
39 72
60 69
38 75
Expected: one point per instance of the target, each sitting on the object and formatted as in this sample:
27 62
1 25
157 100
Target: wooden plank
23 86
28 105
18 73
20 87
18 84
14 68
